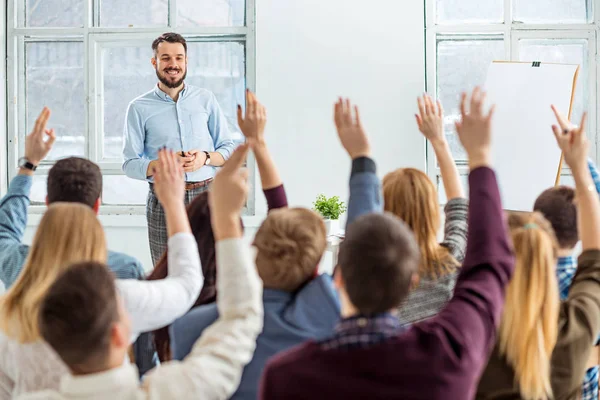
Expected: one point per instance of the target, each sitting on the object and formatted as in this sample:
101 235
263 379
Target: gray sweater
431 295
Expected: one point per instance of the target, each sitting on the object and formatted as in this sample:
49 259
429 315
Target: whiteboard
524 150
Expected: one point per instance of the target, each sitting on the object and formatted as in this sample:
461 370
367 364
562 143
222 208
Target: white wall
310 52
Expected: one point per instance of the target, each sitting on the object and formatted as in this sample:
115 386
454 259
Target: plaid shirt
565 271
361 332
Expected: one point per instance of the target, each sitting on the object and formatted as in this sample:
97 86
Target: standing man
181 117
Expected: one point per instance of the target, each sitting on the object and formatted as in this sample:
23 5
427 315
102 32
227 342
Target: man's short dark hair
557 204
74 180
377 260
77 315
169 37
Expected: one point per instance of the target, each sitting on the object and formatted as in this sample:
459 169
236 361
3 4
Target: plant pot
332 226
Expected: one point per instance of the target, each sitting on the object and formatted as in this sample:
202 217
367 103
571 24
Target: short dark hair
169 37
77 315
557 204
377 260
74 180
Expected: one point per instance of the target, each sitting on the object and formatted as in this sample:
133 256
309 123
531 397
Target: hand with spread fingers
169 185
350 129
228 195
572 141
474 129
39 142
253 123
431 119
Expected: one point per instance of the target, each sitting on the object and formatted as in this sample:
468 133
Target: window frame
512 32
94 38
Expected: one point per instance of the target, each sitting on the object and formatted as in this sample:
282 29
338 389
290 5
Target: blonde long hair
529 326
68 233
410 195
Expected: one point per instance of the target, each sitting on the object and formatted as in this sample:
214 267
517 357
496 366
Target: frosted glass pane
134 13
54 78
470 11
54 13
121 190
211 12
462 65
552 11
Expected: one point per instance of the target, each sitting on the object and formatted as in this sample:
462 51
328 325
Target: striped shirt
431 295
360 332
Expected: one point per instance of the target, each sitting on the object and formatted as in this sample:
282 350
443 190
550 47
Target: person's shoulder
143 100
41 395
125 266
297 355
199 317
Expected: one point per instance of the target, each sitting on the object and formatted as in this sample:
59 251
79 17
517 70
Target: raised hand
474 129
39 142
350 130
169 185
253 124
431 119
228 194
572 141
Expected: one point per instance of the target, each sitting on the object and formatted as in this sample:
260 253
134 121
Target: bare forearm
226 227
589 209
150 170
448 170
269 175
216 159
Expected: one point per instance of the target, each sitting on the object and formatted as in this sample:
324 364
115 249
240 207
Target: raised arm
365 187
154 304
252 126
471 318
13 207
579 322
214 367
431 124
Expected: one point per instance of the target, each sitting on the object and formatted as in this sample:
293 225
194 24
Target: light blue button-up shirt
154 120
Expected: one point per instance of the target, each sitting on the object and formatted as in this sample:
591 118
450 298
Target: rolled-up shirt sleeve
135 165
219 130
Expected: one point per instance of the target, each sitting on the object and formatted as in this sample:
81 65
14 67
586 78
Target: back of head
377 260
529 326
68 233
290 243
557 204
77 315
74 180
410 195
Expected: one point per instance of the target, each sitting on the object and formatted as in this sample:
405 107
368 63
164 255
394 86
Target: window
464 36
87 59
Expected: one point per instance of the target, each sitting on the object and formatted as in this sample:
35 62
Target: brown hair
377 260
410 195
199 216
68 233
557 204
77 315
529 325
169 37
74 180
290 243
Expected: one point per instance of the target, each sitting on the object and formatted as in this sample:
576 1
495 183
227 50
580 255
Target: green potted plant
330 209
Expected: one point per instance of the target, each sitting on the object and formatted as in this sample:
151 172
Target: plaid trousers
157 225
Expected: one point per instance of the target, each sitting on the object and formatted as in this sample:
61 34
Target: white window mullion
173 14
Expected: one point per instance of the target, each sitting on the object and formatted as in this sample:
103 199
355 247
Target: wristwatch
24 163
207 161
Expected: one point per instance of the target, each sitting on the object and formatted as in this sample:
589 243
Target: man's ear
338 281
47 204
97 204
153 61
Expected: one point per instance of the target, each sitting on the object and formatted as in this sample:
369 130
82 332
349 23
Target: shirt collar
125 377
363 331
568 262
165 96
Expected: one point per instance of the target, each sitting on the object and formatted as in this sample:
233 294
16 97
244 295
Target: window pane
472 11
134 13
567 51
464 181
216 66
121 190
54 78
462 65
552 11
39 189
210 12
54 13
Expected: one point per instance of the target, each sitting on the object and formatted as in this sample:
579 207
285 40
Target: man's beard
169 83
